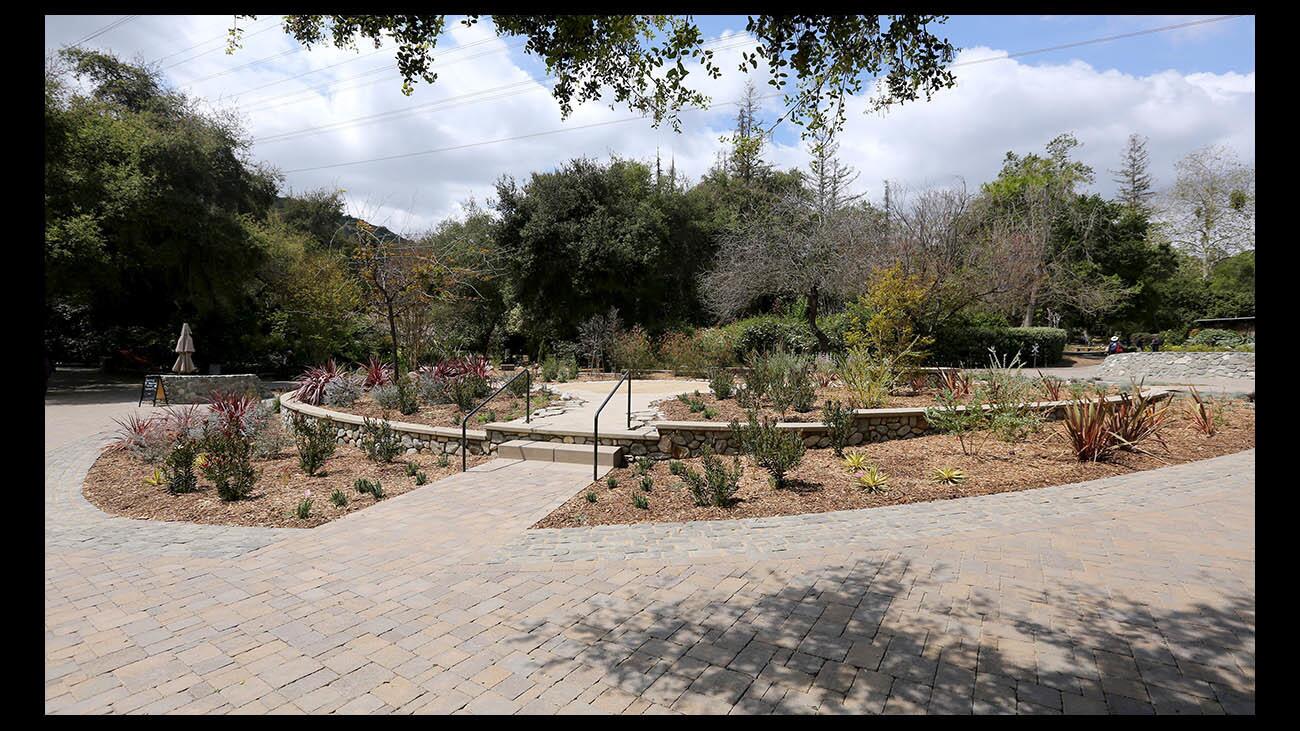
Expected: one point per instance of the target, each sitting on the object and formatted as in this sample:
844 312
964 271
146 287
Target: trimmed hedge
969 346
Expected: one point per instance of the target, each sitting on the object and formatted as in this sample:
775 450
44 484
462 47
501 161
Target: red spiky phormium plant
376 373
232 409
312 382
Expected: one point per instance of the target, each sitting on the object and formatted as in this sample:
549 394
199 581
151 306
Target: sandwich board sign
153 389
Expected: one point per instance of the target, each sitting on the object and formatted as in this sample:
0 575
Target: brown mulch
504 407
116 485
821 484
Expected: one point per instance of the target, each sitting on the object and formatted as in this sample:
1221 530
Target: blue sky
1183 89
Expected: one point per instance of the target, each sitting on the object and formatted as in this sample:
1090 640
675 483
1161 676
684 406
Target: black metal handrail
528 410
595 427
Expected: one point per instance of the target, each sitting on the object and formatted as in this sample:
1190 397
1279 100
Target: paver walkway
1126 595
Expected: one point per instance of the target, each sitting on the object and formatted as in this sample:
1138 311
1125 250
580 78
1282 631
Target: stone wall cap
291 402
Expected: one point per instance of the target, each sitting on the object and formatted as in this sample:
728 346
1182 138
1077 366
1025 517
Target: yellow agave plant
873 480
200 460
155 479
855 461
949 476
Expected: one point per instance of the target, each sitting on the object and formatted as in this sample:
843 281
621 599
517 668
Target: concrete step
528 449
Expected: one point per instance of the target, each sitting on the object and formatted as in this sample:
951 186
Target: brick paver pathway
1126 595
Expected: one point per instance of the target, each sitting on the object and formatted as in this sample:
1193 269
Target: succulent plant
873 480
949 476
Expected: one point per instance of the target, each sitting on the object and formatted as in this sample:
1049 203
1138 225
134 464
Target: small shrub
377 490
640 501
407 401
466 391
644 465
146 438
677 467
1205 414
591 496
709 413
362 485
1215 337
717 485
315 441
721 383
178 466
957 381
611 482
339 498
633 350
1137 418
855 462
949 476
868 376
1052 387
344 390
269 442
647 483
824 372
379 441
790 383
550 368
387 395
411 469
304 507
1009 394
776 450
873 480
228 464
443 460
957 416
518 387
421 478
839 425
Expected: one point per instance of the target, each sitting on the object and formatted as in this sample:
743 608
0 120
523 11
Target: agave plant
873 480
312 382
854 461
376 373
949 476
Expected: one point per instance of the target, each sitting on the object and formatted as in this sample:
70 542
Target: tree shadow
887 634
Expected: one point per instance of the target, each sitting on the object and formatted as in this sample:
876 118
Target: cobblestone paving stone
1125 595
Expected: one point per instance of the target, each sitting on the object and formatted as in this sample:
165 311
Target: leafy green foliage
379 440
178 466
303 511
315 441
839 425
640 501
717 485
228 463
339 498
776 450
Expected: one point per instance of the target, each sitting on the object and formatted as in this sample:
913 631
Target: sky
312 113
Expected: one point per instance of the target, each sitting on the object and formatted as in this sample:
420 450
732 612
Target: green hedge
969 346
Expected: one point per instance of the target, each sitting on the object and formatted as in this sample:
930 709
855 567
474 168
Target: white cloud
963 132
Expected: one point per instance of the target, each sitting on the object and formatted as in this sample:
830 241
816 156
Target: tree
1210 212
796 250
745 161
594 235
1133 179
829 56
829 178
1028 199
145 202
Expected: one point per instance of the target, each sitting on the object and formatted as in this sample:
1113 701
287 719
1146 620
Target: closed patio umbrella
185 346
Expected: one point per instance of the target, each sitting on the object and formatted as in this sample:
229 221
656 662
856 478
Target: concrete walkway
1127 595
614 416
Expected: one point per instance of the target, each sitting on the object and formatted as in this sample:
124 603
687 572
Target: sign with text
154 390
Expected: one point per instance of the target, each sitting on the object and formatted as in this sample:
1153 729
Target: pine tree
830 177
746 159
1133 179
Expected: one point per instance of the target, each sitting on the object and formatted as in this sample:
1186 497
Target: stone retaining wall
1175 366
417 438
688 438
197 389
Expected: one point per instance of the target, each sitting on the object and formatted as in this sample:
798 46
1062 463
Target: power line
1090 41
221 37
508 139
184 61
529 85
95 34
767 96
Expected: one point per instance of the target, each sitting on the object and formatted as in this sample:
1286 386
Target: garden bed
821 483
504 407
725 410
116 484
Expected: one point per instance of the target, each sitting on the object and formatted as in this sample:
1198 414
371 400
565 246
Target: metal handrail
595 427
528 410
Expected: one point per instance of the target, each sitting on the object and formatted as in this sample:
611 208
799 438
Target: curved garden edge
662 439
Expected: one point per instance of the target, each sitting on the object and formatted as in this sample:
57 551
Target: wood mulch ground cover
116 484
504 407
821 484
